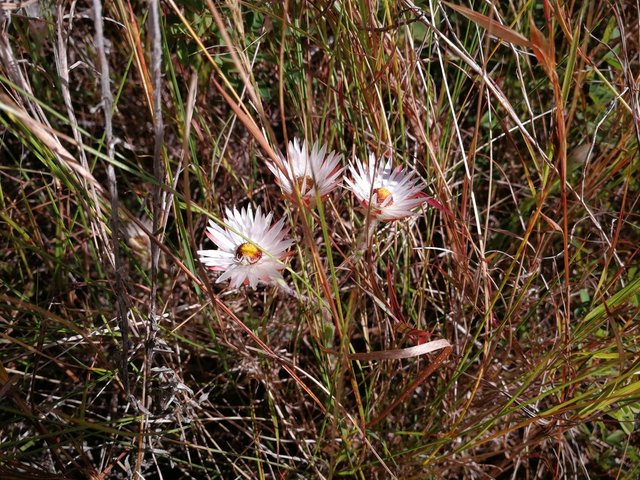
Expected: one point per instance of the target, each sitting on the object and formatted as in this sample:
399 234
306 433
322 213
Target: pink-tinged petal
216 258
267 272
251 278
235 275
220 237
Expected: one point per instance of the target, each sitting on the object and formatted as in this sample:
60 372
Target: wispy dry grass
121 356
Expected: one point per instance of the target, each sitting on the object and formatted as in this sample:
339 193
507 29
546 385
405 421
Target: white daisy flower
250 249
388 193
310 171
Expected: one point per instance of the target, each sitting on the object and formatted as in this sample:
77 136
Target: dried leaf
553 224
542 49
409 352
492 26
437 205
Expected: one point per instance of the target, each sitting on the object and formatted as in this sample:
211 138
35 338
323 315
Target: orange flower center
382 194
248 253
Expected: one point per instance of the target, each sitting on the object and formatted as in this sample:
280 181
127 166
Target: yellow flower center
382 194
248 253
304 183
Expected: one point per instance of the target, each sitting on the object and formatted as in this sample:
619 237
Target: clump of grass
492 334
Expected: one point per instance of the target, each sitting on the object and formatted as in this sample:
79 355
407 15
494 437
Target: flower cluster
251 250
